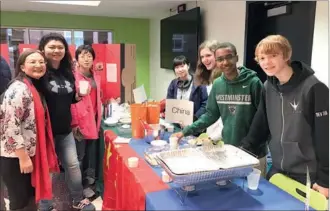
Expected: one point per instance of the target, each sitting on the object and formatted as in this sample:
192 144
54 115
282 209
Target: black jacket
59 91
5 75
198 95
295 116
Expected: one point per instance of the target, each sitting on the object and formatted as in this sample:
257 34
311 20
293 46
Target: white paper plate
158 143
111 121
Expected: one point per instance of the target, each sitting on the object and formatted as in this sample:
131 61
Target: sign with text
140 95
179 111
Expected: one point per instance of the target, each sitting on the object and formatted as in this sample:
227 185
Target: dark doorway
297 24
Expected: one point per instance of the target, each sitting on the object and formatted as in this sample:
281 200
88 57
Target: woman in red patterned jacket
27 152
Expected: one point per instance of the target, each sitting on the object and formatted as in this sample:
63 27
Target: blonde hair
202 75
216 73
274 44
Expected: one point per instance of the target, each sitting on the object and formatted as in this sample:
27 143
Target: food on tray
220 143
187 167
203 139
151 159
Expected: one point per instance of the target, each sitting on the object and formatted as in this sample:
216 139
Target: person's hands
77 133
179 135
87 93
75 130
322 190
25 164
182 125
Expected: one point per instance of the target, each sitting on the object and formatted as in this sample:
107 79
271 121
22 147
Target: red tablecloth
126 188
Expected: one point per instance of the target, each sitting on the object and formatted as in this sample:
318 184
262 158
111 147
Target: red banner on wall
109 56
113 73
72 49
5 52
99 50
22 47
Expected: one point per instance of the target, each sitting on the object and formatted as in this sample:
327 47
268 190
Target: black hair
82 48
180 60
227 45
66 62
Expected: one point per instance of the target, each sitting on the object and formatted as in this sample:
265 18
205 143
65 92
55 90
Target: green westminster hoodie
235 101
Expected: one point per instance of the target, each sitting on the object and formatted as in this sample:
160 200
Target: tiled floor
97 203
61 196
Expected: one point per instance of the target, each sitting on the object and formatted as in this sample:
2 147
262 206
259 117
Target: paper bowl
111 121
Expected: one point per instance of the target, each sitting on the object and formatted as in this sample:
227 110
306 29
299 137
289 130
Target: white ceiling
110 8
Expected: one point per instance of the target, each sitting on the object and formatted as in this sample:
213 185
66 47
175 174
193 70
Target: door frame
246 32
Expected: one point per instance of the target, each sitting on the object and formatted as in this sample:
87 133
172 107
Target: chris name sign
179 111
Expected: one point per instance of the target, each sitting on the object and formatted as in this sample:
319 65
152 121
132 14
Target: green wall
125 30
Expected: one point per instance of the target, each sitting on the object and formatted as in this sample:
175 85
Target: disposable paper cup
165 177
133 162
83 87
173 142
253 179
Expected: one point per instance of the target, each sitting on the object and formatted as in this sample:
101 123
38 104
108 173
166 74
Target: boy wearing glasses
294 111
234 97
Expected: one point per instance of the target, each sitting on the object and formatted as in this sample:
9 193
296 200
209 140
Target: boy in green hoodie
234 97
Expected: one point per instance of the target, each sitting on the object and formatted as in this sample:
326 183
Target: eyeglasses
86 56
228 57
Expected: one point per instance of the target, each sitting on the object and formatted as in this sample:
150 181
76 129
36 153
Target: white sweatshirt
214 131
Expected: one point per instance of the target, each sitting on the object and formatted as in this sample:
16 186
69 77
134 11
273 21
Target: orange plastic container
138 113
153 109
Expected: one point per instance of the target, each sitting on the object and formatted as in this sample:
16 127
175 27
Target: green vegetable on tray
204 139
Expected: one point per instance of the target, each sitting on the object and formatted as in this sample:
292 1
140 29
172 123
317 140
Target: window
90 37
15 36
36 34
